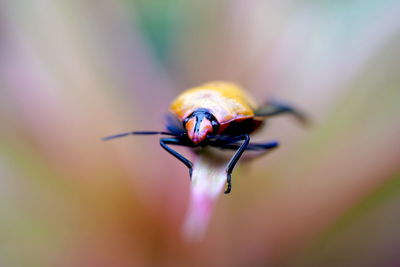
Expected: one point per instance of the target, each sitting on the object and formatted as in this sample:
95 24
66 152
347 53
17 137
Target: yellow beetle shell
226 101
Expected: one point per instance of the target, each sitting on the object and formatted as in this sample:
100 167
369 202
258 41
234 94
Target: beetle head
199 125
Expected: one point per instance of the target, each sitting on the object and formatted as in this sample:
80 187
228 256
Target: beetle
218 114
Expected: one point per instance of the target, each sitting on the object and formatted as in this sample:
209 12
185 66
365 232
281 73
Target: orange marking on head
198 128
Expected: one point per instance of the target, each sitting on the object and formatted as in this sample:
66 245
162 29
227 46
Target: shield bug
218 114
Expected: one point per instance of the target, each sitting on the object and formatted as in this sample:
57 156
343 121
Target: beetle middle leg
174 141
260 148
253 146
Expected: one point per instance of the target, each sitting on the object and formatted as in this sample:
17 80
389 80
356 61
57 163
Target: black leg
173 141
223 141
253 146
235 159
275 108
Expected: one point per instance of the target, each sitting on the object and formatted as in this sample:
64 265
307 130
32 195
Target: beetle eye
185 121
215 126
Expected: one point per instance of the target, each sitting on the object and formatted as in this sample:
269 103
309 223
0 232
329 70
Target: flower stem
208 180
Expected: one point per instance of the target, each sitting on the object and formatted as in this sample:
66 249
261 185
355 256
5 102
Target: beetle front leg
174 141
234 160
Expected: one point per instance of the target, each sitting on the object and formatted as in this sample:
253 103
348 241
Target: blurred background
74 71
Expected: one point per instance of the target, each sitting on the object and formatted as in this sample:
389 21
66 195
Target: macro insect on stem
216 114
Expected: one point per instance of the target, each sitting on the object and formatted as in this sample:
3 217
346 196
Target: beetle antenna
136 133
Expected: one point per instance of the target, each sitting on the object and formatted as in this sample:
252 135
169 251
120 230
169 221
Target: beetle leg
222 141
174 141
253 146
275 108
235 159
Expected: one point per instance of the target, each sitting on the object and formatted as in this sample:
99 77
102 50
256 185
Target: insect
217 114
